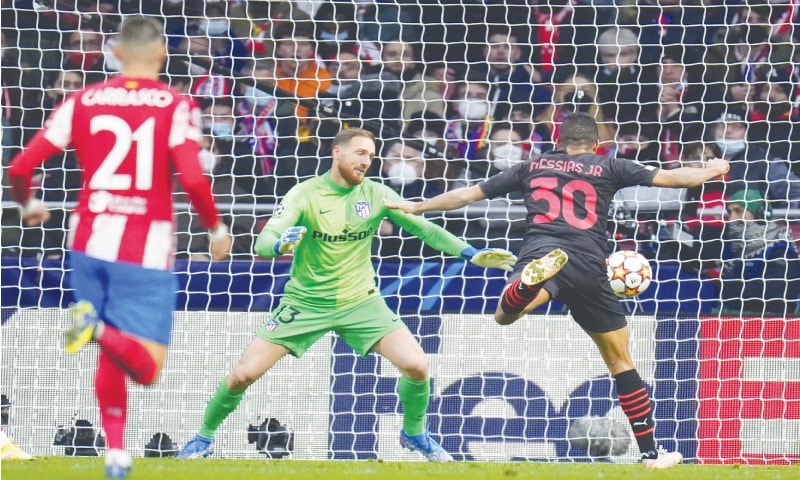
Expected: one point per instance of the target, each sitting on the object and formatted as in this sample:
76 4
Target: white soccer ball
629 273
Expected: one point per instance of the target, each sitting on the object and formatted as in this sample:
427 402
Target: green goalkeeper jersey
333 263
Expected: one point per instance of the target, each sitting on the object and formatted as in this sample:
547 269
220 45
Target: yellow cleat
545 268
80 333
11 451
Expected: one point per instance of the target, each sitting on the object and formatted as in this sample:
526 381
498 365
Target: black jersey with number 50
567 197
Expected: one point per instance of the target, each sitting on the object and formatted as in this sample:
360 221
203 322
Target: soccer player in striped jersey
567 194
329 223
130 134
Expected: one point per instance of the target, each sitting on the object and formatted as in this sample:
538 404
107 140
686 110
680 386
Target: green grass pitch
46 468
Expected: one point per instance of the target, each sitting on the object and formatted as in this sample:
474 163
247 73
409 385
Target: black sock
635 402
517 296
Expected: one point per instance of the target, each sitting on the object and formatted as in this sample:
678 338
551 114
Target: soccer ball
601 436
629 273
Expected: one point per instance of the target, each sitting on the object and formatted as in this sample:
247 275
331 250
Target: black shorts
582 285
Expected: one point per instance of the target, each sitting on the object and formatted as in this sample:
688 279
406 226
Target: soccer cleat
665 459
80 333
118 463
545 268
198 447
424 444
11 451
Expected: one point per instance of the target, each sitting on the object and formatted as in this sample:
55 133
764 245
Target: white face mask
731 147
214 27
473 109
207 160
257 98
505 156
402 173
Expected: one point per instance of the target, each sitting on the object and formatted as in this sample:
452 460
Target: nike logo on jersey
323 212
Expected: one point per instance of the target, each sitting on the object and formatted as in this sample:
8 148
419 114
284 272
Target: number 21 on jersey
106 176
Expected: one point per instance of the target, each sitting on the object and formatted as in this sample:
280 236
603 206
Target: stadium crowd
456 92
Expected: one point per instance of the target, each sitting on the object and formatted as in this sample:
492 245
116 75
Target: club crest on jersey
362 209
271 325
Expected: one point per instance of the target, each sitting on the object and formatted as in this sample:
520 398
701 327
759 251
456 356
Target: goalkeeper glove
490 258
289 240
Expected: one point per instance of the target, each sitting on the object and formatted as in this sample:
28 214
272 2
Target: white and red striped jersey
130 136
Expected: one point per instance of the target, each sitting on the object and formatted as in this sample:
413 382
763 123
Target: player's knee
242 376
417 369
503 318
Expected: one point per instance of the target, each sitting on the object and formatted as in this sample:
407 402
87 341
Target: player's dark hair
348 134
139 29
578 130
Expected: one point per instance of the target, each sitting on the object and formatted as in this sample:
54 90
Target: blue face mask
223 131
731 147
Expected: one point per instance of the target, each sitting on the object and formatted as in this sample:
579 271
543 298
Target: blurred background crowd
455 92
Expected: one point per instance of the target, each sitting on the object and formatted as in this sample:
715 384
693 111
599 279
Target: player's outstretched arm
446 201
689 176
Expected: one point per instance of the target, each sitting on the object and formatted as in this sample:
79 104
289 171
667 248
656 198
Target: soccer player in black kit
567 195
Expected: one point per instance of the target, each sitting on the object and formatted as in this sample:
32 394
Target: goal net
455 92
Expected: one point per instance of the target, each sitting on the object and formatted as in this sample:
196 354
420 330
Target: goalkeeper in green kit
329 223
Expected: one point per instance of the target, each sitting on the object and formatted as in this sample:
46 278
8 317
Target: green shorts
362 325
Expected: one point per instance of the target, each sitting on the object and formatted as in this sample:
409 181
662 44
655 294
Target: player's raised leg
259 356
414 390
525 293
633 397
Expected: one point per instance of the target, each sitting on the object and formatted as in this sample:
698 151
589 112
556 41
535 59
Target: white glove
289 240
494 258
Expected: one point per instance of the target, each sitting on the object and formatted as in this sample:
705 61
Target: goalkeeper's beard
350 175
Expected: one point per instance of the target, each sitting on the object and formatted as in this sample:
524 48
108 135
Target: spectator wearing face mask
492 222
751 166
760 272
469 120
445 167
404 170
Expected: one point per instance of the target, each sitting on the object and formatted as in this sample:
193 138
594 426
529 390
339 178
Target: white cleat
665 460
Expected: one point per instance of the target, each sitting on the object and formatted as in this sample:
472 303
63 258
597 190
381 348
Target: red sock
112 396
129 355
517 296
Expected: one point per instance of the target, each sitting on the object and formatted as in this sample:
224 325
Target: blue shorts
136 300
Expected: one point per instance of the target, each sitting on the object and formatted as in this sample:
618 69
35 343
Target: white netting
455 92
